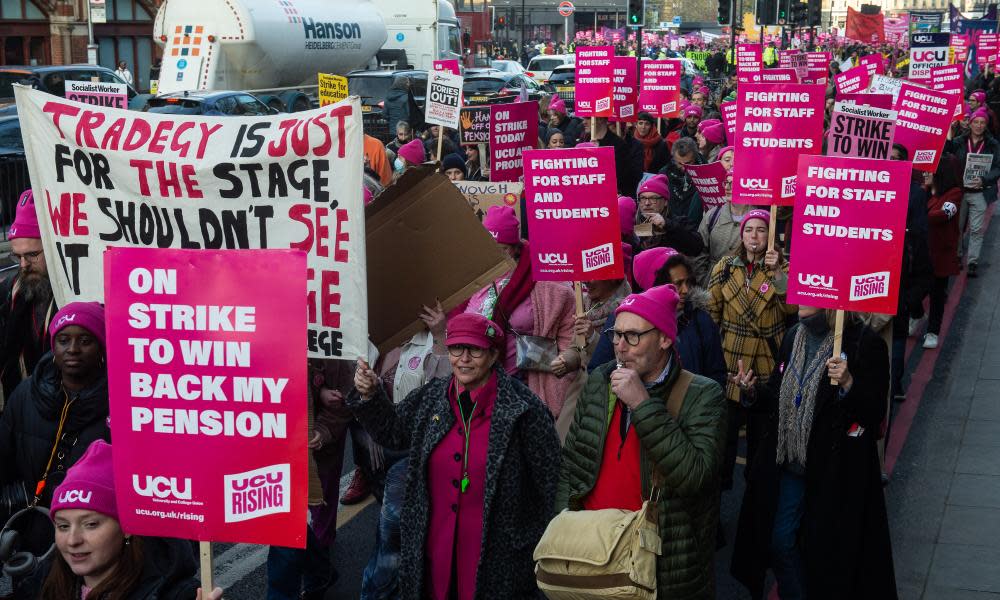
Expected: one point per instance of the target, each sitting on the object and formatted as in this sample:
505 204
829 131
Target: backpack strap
714 218
675 401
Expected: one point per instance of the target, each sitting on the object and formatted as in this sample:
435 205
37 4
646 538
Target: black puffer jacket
21 333
169 573
29 423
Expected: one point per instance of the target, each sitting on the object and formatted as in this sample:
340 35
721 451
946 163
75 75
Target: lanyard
468 425
40 486
978 148
802 380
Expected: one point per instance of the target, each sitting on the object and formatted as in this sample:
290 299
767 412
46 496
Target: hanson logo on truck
318 30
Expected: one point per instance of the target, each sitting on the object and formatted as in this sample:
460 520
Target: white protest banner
977 165
860 131
114 95
444 99
883 84
105 177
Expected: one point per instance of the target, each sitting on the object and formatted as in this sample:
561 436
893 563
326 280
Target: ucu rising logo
75 496
161 487
66 319
823 281
753 183
553 259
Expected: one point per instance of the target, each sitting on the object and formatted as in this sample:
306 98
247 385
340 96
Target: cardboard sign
779 76
332 89
182 181
882 84
922 121
799 63
865 99
774 125
513 129
444 99
819 67
594 81
986 49
448 254
785 58
854 210
728 110
976 167
860 131
874 63
484 194
572 203
110 95
710 181
208 384
474 125
749 63
927 50
852 80
448 66
625 101
660 88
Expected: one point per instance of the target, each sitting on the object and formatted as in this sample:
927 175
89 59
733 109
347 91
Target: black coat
29 423
20 333
628 172
169 572
960 148
844 531
572 128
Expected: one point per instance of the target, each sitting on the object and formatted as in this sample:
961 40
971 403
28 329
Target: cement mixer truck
275 48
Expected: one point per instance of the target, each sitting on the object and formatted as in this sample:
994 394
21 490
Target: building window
127 10
20 10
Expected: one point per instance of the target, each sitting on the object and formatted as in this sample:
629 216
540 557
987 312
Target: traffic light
814 15
798 12
783 12
501 22
767 12
725 12
636 15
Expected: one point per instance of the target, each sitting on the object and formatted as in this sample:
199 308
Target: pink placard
659 90
710 181
866 99
112 95
572 207
728 110
875 64
207 384
986 50
785 58
860 131
451 65
748 63
852 80
625 102
848 225
779 76
819 67
799 63
960 46
950 79
774 125
513 129
594 81
922 121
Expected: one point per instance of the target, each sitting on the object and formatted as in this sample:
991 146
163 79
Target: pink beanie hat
726 149
714 133
979 113
657 305
657 184
89 315
502 224
697 81
413 152
684 105
89 484
707 123
25 220
756 213
704 90
693 111
368 196
979 96
557 105
626 214
648 262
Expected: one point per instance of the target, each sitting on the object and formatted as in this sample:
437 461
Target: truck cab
424 31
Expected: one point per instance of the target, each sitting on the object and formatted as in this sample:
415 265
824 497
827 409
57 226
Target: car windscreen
545 64
174 106
482 86
562 77
7 81
371 89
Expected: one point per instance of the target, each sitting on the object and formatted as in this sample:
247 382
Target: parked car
235 104
53 78
541 66
507 66
10 136
373 87
563 82
498 88
13 170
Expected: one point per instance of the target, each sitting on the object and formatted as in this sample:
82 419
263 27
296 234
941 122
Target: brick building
43 32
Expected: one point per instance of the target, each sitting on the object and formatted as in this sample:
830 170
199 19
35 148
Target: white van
541 66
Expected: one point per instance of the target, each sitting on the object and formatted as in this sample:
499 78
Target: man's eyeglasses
474 351
28 256
631 337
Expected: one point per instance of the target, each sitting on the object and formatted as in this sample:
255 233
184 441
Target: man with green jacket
622 430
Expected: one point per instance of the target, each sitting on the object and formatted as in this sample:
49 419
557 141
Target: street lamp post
524 18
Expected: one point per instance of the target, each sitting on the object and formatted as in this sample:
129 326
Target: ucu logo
753 184
75 496
553 259
161 487
257 481
66 319
824 281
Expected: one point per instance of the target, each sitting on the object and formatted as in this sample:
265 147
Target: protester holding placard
684 198
720 231
627 172
747 301
453 166
813 510
571 127
692 116
655 152
466 524
657 225
979 189
28 304
404 133
95 558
